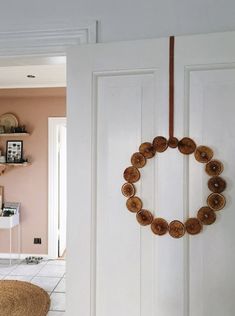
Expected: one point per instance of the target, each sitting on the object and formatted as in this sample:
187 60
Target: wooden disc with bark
131 174
203 154
193 226
159 226
186 146
176 229
216 201
128 189
217 184
206 215
147 150
134 204
173 142
160 144
214 168
144 217
138 160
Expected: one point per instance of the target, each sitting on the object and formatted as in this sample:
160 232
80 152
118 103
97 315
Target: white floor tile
46 283
57 302
53 313
52 271
4 270
61 286
59 262
26 270
25 278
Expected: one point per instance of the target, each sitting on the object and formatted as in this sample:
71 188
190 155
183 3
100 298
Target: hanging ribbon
171 86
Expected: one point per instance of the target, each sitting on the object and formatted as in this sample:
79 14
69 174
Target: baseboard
21 256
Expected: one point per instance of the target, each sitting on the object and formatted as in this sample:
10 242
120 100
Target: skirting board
21 256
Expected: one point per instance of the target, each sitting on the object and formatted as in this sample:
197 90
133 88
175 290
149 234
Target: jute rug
19 298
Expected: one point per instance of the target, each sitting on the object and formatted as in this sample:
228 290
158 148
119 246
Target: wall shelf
4 166
14 134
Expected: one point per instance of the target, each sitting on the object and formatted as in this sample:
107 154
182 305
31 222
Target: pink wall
29 185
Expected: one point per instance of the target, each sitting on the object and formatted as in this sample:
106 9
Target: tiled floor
49 275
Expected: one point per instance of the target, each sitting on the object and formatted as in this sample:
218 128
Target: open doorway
32 93
57 187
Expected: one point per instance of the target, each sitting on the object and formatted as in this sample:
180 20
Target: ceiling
33 73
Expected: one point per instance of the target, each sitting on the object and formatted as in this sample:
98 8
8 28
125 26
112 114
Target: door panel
117 99
213 95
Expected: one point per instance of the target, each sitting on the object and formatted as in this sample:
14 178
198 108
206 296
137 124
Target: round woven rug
19 298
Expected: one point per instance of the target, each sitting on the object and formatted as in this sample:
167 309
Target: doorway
57 187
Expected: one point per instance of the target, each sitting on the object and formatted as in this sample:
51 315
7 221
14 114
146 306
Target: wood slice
128 189
176 229
203 154
214 168
147 150
206 215
144 217
159 226
138 160
134 204
173 142
131 174
216 201
186 146
160 144
193 226
217 184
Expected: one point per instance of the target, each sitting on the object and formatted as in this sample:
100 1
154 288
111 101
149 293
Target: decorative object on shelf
18 129
2 159
14 151
9 121
10 209
2 129
215 202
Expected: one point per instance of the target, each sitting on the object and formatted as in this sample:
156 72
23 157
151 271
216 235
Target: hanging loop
171 86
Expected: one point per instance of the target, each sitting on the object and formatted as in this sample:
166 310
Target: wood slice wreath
206 215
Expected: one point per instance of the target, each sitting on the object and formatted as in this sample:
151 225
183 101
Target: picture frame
14 151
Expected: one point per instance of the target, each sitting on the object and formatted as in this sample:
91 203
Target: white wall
123 19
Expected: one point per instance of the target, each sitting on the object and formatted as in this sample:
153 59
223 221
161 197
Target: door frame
47 42
53 196
26 47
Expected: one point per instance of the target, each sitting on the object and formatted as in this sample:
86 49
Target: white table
9 223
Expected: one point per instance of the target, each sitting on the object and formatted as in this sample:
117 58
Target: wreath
206 215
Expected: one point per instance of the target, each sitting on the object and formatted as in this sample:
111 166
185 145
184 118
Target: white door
117 99
62 189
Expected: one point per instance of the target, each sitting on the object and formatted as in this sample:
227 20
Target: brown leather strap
171 86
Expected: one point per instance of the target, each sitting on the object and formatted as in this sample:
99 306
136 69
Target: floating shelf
4 166
14 134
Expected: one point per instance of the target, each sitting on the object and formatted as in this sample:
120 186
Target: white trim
49 42
53 125
21 256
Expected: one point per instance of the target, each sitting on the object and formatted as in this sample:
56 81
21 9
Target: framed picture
14 151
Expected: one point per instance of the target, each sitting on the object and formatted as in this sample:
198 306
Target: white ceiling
13 74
